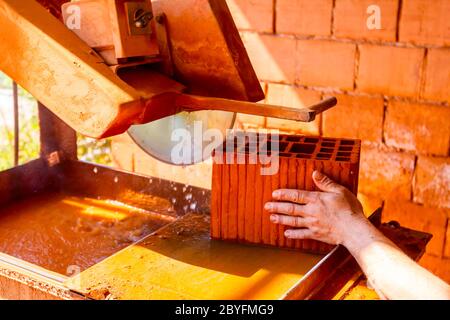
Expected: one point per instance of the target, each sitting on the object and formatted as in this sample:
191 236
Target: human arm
336 216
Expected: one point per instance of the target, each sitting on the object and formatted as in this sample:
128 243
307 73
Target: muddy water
62 233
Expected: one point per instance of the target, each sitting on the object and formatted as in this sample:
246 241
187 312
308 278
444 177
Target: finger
298 234
297 196
296 222
326 184
287 208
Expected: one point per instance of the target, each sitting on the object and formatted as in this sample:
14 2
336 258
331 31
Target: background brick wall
393 87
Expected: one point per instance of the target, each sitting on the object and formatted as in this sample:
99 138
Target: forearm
335 216
391 272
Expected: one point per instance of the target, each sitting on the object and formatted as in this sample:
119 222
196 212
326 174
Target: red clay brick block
439 266
413 216
432 181
356 117
350 19
325 63
437 85
304 17
239 191
390 70
255 15
273 57
291 96
418 127
386 173
425 22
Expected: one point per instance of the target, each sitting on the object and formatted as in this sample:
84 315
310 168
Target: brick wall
393 87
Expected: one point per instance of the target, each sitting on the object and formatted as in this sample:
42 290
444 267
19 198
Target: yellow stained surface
181 262
361 292
64 233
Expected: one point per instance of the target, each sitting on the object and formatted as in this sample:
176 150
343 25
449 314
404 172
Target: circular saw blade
159 138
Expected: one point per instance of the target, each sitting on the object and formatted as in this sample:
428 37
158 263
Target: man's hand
335 216
332 216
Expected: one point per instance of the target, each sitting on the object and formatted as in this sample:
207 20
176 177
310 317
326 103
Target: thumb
326 184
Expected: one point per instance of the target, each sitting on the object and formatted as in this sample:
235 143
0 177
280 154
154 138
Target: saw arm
74 82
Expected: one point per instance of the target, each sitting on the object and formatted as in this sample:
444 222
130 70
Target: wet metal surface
63 233
180 261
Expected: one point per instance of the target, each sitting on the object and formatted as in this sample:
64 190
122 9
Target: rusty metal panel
62 72
140 191
206 48
207 51
25 180
56 136
20 280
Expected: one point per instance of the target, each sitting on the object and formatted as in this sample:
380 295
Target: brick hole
265 153
329 144
323 156
342 148
342 159
344 154
311 140
285 154
303 156
293 138
303 148
327 150
347 143
282 146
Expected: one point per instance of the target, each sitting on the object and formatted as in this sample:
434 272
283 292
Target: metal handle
196 103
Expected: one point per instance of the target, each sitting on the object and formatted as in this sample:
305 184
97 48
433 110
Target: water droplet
116 179
188 196
95 170
193 206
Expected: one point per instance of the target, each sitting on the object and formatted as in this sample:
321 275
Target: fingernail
274 218
268 206
276 194
318 175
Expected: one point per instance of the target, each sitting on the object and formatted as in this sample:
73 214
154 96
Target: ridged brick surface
240 190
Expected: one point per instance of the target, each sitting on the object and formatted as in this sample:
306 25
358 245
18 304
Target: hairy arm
336 216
